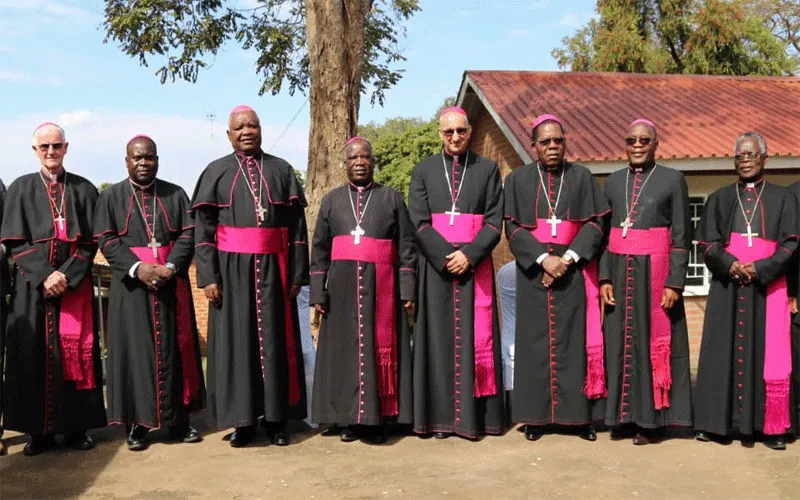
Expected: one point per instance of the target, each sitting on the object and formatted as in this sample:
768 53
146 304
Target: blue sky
55 67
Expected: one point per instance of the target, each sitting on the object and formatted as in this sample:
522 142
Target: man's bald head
141 159
50 145
358 161
244 130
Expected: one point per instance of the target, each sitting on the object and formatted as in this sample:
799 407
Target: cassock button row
740 336
739 385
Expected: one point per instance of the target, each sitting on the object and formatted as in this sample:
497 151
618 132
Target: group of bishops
601 332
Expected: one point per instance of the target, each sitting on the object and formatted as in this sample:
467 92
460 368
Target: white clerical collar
750 185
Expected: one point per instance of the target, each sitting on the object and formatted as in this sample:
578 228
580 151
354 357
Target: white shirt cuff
575 256
541 258
132 272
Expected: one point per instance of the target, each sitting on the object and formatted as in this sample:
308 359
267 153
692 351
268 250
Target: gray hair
48 125
762 144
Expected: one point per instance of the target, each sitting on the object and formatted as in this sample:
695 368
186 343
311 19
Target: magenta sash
464 229
76 329
777 341
268 240
183 315
382 254
656 243
595 385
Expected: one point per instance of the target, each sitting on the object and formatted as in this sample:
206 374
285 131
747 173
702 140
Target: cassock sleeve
774 266
710 235
16 236
523 245
432 244
407 251
793 275
489 235
680 229
205 211
79 265
589 239
321 254
117 253
2 202
604 264
183 249
298 245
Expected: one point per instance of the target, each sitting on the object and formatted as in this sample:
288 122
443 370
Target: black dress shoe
38 445
348 434
137 438
441 435
533 432
280 438
332 430
377 434
242 436
185 433
702 436
625 431
588 433
79 441
775 442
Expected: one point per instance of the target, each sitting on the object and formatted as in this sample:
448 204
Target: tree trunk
335 37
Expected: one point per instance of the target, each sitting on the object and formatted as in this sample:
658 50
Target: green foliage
719 37
398 145
300 178
103 186
190 32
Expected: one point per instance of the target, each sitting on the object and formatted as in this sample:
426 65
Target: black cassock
249 363
793 279
5 288
550 356
155 374
730 393
346 384
444 352
37 398
663 202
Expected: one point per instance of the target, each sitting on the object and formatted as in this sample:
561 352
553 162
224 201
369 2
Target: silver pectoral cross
357 233
625 225
261 211
154 244
452 213
60 221
749 235
553 221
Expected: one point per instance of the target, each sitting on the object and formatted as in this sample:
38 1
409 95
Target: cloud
574 20
11 76
53 9
97 144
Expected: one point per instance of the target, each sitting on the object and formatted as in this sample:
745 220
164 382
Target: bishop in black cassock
145 231
749 233
53 379
5 282
456 205
251 250
793 279
363 281
642 275
554 222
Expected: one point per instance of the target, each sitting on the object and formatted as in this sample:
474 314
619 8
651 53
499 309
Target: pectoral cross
154 244
357 233
749 235
553 221
625 225
261 211
452 213
60 219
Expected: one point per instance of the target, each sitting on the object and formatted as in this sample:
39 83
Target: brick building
698 120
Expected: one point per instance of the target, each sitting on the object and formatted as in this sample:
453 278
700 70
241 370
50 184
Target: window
697 276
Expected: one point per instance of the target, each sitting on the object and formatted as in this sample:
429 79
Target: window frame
697 290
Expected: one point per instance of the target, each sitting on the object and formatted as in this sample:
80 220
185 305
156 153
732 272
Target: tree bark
335 37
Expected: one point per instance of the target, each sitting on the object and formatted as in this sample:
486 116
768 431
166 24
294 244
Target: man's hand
554 266
164 273
147 275
668 298
738 273
409 306
547 280
457 262
214 294
750 269
320 309
607 294
793 305
294 291
55 284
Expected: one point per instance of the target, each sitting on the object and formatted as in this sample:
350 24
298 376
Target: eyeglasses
644 141
747 156
46 147
460 131
555 140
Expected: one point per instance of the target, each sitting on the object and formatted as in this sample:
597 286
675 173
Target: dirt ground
318 467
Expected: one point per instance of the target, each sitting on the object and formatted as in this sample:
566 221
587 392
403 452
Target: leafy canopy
187 33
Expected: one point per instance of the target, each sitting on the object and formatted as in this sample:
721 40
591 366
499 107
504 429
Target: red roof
696 116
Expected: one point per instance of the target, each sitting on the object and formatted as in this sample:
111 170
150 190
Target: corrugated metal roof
696 116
